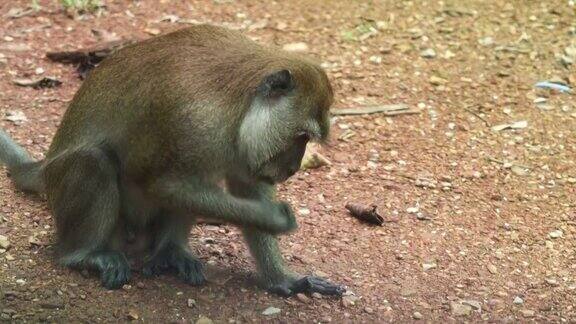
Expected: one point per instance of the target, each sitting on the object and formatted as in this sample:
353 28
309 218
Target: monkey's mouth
275 178
267 179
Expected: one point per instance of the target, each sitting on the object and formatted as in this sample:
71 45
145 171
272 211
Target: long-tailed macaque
152 132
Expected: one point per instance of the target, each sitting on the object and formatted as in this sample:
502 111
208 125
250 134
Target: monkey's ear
276 84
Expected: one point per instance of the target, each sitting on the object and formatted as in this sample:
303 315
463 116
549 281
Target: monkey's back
164 96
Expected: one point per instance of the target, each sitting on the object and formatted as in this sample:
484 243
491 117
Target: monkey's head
290 107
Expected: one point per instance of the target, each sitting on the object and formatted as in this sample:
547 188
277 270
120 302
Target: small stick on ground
388 110
88 58
477 116
491 159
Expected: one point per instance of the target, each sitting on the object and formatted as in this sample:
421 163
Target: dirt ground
480 220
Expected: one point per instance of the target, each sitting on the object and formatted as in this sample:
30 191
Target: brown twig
388 110
477 116
491 159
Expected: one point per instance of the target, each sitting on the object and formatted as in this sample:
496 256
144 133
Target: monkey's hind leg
170 251
84 196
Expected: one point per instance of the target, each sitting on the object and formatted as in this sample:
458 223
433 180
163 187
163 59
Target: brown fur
160 74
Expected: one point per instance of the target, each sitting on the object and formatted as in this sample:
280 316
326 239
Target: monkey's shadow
219 276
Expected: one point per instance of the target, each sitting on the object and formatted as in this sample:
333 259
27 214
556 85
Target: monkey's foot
307 285
187 266
113 267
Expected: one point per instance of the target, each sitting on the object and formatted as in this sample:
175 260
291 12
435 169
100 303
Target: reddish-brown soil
495 240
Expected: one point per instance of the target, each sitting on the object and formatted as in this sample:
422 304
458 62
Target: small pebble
428 53
204 320
4 243
412 210
459 309
132 315
375 59
350 300
428 265
303 298
552 282
527 313
52 304
556 234
296 47
304 211
153 31
271 311
476 305
492 268
436 80
317 295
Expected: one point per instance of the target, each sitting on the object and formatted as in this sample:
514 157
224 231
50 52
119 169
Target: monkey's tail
24 170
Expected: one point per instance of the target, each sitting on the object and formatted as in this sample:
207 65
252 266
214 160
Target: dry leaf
45 82
15 116
18 12
365 213
516 125
312 159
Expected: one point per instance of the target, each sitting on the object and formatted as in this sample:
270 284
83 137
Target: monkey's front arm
274 276
200 197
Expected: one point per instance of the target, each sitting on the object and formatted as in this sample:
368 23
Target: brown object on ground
88 58
366 214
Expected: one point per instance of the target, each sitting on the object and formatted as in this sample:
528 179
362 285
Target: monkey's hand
282 219
306 285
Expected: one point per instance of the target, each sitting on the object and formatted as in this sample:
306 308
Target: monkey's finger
312 284
286 208
329 288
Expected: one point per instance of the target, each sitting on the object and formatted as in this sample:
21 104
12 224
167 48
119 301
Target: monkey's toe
155 267
190 269
308 285
115 271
